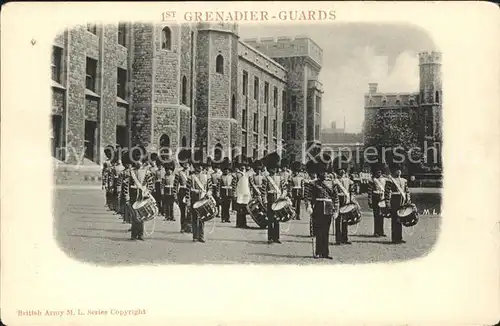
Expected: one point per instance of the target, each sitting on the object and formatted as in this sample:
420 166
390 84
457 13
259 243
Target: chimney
372 87
333 125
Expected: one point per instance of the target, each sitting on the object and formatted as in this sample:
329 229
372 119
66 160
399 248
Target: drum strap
144 191
273 184
403 194
344 190
200 185
379 184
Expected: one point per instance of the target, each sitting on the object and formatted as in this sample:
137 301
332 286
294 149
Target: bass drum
408 215
258 213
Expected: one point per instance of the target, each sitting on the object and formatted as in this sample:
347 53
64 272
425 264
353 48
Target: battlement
219 26
429 58
286 46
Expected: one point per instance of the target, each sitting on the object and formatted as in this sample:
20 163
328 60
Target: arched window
164 145
218 153
166 39
184 141
219 64
233 107
184 90
437 97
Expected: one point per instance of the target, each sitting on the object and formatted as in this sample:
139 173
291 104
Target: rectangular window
317 132
92 28
275 96
255 147
275 128
245 82
121 86
293 131
283 101
256 88
91 73
265 126
56 63
293 99
266 92
318 104
244 119
122 34
255 122
244 147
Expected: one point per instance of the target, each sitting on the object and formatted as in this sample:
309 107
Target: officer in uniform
274 188
296 187
240 167
122 179
199 188
140 179
216 175
308 184
169 191
325 202
180 185
117 183
106 176
346 192
224 190
376 189
396 194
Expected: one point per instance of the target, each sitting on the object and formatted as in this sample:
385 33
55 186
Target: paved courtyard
87 231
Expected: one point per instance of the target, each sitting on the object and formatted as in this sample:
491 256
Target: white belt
169 186
324 199
228 187
297 187
378 192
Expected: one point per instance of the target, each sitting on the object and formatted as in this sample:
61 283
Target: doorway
90 139
122 136
57 137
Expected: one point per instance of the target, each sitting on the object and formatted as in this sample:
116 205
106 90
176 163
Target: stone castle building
181 86
420 111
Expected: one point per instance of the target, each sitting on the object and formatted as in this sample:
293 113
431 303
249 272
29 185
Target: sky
353 56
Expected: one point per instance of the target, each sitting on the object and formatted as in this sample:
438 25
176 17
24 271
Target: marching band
138 187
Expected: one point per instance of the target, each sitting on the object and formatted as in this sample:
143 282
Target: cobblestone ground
87 231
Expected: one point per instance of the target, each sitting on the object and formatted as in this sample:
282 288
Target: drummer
145 182
296 187
376 188
396 194
216 174
274 188
224 190
257 180
199 188
325 201
346 191
180 186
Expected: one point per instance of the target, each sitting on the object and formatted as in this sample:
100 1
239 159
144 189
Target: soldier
180 185
257 180
296 187
346 192
199 188
396 194
376 189
308 184
117 174
125 161
215 175
224 190
325 202
105 176
169 190
159 175
241 191
284 171
140 184
274 188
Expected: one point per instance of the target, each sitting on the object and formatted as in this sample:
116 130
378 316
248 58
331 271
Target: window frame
87 75
164 39
122 34
219 64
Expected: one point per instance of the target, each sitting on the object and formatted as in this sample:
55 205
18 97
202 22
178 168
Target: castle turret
430 77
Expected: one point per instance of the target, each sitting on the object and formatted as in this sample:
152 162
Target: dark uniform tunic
271 192
132 193
395 198
198 185
159 174
376 189
169 195
325 201
180 184
215 182
346 191
308 185
120 200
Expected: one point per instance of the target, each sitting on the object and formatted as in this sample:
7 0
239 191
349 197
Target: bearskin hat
296 166
272 161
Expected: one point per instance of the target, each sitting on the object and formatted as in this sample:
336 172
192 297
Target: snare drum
283 210
144 210
408 215
205 209
350 214
258 213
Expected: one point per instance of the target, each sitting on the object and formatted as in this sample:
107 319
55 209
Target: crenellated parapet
429 58
285 46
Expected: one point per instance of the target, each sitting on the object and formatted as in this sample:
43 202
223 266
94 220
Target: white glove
309 209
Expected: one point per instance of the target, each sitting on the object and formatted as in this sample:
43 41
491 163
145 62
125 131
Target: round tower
430 78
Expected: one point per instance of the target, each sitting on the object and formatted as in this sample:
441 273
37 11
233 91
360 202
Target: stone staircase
88 173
